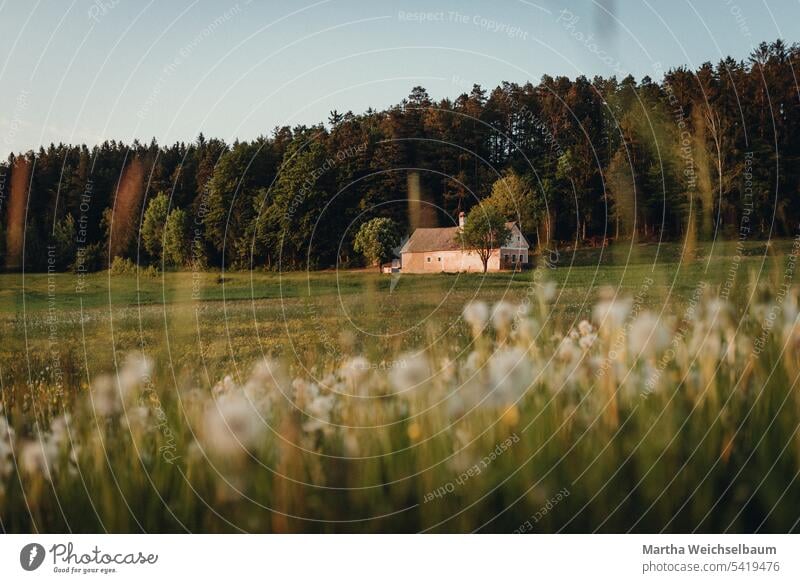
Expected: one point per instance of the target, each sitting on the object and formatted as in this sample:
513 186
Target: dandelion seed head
105 396
355 372
503 314
136 371
33 460
59 430
476 315
319 410
231 426
648 335
548 291
568 351
269 375
304 392
473 361
415 372
447 370
510 374
225 386
611 313
587 341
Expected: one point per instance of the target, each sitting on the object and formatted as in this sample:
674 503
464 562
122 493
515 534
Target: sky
83 71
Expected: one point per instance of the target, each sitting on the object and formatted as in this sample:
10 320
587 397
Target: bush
89 259
125 266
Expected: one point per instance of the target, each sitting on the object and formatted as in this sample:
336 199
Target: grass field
361 457
237 317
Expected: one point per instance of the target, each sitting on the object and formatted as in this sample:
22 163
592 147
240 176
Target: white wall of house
514 254
448 261
516 248
467 261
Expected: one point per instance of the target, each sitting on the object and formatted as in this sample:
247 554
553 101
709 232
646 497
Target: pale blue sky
83 71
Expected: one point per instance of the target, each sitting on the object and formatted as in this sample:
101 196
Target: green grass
229 320
261 297
199 328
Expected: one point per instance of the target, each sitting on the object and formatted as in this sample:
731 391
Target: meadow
638 387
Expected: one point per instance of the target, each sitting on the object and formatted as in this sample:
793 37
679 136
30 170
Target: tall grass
516 419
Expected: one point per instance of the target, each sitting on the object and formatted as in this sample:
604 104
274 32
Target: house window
506 257
514 258
429 259
438 259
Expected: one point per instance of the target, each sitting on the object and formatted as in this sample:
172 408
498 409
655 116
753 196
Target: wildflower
502 317
6 431
34 460
510 374
268 375
476 315
414 432
473 361
527 329
135 372
611 311
6 465
568 351
415 373
59 432
231 426
549 289
320 412
225 386
717 313
105 396
304 392
6 451
355 372
586 341
447 370
585 328
648 336
264 385
73 459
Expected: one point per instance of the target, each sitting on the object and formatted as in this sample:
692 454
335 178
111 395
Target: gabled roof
436 239
425 239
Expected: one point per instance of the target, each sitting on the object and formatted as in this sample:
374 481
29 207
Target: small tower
462 217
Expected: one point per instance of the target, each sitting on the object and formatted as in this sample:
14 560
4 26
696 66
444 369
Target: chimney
461 218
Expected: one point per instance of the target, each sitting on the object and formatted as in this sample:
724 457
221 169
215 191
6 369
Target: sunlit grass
337 402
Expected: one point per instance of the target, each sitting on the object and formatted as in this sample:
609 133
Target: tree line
705 153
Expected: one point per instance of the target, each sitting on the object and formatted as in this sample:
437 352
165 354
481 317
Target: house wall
508 254
517 246
469 261
449 261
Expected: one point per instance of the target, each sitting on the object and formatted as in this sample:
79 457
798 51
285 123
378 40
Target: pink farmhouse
434 250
